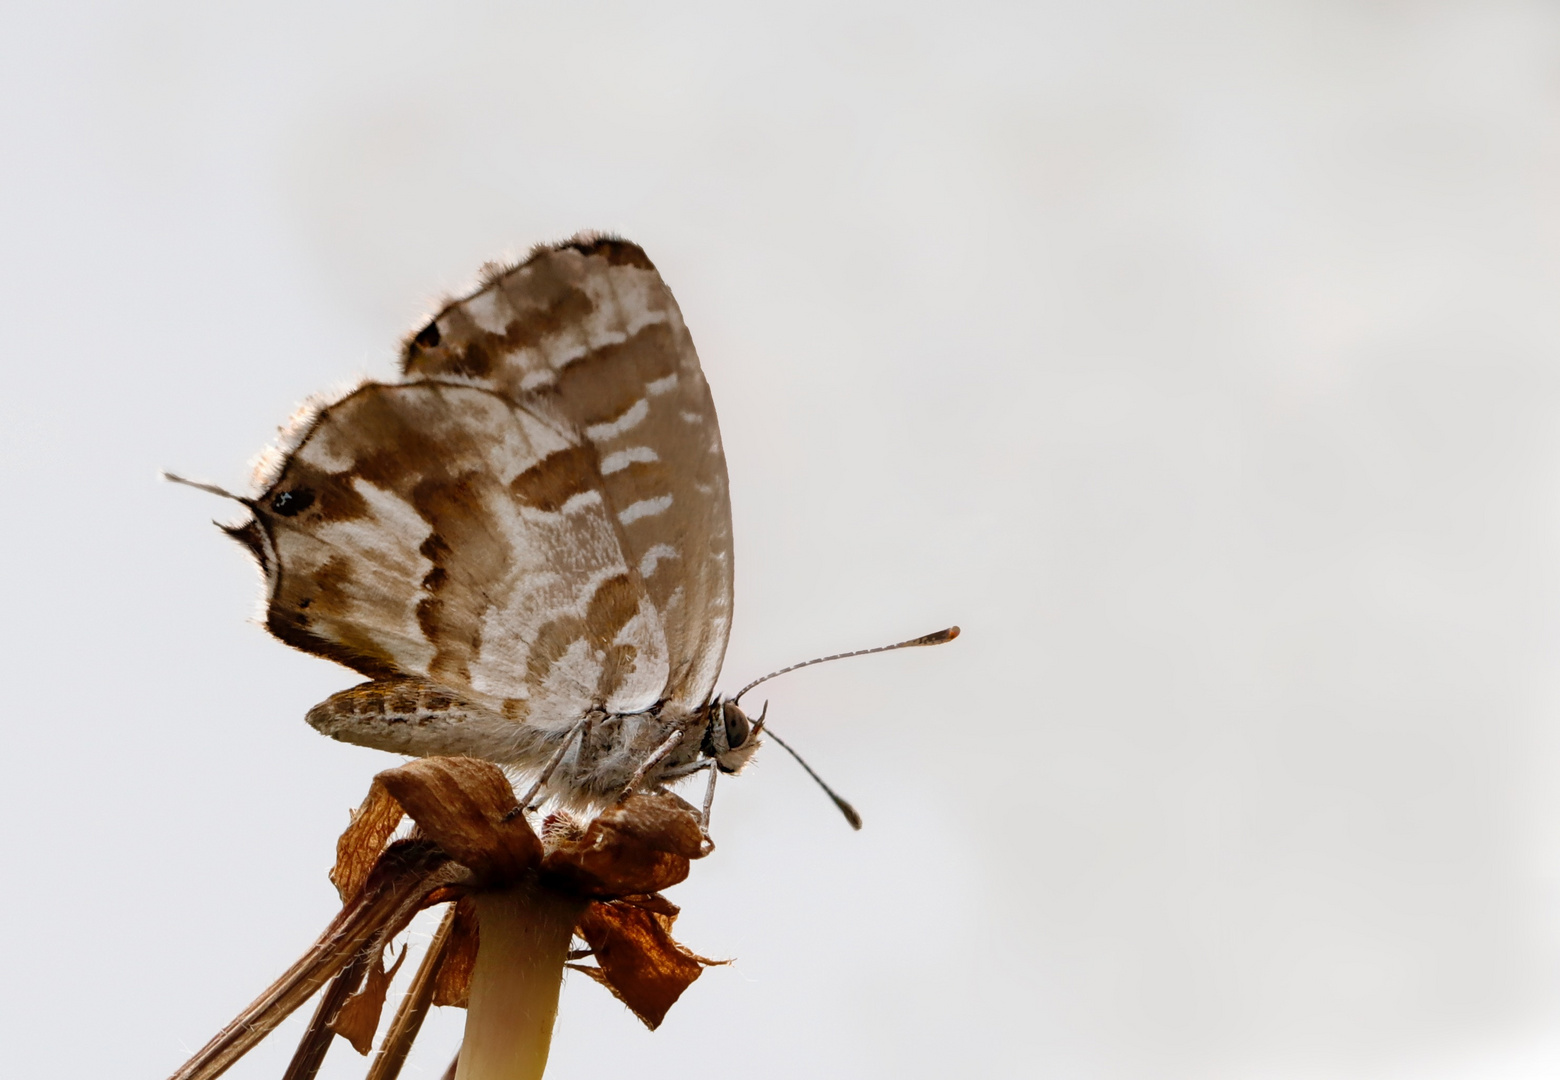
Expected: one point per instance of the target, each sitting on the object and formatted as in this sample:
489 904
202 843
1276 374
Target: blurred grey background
1202 360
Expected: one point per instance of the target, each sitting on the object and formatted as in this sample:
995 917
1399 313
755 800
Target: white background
1201 360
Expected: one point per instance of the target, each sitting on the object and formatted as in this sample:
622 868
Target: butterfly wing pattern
527 538
590 333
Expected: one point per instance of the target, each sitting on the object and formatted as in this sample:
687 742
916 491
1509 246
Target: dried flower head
516 899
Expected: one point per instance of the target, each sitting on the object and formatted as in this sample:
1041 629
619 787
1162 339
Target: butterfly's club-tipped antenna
845 808
938 638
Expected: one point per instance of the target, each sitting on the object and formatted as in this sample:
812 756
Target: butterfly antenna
926 639
845 808
210 488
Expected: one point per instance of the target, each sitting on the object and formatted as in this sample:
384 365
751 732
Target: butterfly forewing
588 336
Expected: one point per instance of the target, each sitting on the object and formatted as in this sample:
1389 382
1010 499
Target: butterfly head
729 736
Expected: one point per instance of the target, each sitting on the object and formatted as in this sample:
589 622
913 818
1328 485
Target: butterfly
524 544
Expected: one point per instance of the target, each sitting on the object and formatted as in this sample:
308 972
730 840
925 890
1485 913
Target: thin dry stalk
382 904
310 1055
414 1007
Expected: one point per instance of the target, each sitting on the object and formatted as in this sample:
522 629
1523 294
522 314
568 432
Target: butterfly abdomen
422 719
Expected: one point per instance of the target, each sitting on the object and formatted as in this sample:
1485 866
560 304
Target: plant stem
525 932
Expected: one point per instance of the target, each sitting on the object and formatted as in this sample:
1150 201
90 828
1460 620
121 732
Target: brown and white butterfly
525 544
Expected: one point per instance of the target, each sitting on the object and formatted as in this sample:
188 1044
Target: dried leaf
372 824
467 807
358 1018
452 985
641 845
638 960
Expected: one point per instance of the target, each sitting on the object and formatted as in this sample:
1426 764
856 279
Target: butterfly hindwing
588 333
443 531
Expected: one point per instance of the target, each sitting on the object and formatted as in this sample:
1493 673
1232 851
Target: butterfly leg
709 800
658 755
563 748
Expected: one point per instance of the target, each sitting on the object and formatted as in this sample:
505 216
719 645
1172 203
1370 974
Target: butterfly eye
293 502
427 337
737 726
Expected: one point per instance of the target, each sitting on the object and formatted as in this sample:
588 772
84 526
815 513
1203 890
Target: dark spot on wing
544 295
547 304
292 503
616 252
328 496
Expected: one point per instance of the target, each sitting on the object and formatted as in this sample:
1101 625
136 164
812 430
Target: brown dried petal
358 1018
467 807
658 904
637 958
641 845
372 824
452 985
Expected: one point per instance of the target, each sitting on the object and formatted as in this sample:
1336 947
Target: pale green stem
524 934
